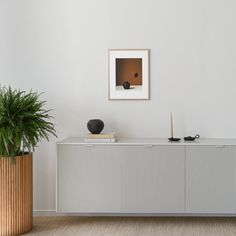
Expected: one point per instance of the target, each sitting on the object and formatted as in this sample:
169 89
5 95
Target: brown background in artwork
125 70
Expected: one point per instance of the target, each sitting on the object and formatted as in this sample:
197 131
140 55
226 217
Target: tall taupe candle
171 125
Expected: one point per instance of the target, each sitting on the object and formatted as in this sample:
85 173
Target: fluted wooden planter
16 215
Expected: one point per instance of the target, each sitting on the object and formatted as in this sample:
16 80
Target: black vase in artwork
126 85
95 126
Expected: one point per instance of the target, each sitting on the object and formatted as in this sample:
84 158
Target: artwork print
129 74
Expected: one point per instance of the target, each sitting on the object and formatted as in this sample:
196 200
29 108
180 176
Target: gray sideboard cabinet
146 176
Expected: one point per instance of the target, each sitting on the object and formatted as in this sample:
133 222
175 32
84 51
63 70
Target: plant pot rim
18 156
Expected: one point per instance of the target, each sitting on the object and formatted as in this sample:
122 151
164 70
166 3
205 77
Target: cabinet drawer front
154 180
210 179
89 179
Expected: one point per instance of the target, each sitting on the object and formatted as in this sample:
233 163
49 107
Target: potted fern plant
23 124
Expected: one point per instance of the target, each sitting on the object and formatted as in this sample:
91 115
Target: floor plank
133 226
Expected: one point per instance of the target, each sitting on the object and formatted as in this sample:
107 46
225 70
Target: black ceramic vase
95 126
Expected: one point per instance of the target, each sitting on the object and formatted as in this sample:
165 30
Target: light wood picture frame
129 74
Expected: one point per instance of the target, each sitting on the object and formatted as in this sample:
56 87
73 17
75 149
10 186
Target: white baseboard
54 213
44 213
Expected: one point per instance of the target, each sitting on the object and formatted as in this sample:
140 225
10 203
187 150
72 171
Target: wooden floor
131 226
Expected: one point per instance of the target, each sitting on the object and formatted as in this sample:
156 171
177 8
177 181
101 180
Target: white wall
61 47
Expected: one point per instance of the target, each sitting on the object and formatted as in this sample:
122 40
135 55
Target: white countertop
152 141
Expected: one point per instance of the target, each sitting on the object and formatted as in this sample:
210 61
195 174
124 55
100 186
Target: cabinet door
89 179
154 180
210 179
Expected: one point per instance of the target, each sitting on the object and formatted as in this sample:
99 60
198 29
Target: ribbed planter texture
16 203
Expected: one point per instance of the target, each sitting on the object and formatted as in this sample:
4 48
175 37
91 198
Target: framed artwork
129 74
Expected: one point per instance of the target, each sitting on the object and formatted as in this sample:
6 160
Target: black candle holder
174 139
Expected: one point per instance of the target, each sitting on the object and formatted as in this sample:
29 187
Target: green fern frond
23 121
